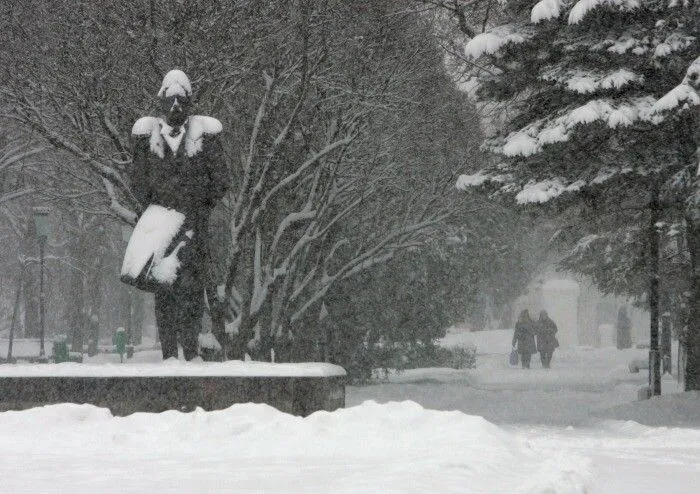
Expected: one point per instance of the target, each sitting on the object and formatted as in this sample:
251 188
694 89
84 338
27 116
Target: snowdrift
398 447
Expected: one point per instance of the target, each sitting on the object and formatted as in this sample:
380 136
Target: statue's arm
217 168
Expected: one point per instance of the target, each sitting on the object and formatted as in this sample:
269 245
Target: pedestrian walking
623 329
524 338
546 338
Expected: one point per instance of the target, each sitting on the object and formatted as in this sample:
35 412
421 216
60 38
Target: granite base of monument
298 389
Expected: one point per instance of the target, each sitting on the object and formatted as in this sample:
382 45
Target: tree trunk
95 290
654 355
687 150
30 247
76 309
31 302
137 314
15 311
691 339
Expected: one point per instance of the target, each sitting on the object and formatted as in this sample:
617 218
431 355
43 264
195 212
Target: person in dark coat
524 338
623 329
178 163
546 339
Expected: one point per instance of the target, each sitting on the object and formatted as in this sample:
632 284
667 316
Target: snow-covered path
616 457
554 412
626 457
507 396
581 382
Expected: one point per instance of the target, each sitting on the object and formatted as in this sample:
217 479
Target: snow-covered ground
25 347
371 448
565 411
581 382
422 431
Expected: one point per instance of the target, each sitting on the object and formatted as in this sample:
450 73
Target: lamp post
43 230
20 283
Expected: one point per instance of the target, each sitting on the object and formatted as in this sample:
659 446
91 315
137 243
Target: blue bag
513 360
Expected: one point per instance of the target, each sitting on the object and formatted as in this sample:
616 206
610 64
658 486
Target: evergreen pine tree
583 88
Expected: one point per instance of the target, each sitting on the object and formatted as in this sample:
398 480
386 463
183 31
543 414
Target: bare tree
319 101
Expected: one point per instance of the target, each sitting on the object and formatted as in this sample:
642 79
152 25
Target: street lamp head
41 221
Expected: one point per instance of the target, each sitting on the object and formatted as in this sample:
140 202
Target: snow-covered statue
178 175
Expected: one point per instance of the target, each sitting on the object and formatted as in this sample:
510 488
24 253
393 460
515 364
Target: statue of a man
178 169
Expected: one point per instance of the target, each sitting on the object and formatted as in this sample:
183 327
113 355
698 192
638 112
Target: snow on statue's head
175 95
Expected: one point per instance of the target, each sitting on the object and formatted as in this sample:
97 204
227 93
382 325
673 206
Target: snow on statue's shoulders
201 124
231 368
145 126
198 127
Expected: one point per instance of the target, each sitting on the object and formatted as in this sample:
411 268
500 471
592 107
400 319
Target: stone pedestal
125 394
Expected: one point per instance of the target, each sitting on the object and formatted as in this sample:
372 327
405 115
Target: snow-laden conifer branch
589 81
546 10
583 7
489 43
613 113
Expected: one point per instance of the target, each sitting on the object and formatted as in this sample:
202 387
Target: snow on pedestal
173 368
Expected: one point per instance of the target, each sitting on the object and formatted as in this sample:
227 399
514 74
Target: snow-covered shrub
436 356
462 358
377 361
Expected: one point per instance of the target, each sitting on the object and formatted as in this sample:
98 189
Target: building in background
584 316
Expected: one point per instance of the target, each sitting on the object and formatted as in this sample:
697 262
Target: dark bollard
60 349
